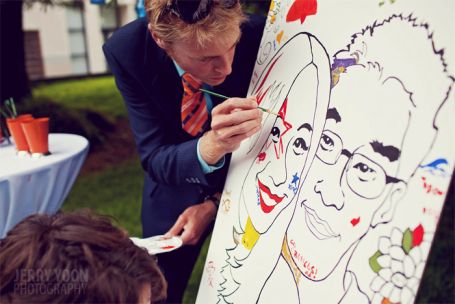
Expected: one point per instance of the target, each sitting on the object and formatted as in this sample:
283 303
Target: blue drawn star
295 178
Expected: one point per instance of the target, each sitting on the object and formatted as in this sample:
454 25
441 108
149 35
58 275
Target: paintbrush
225 97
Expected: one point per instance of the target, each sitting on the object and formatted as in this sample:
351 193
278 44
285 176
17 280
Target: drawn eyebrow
391 152
332 113
306 126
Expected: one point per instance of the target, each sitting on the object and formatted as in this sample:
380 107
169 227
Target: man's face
273 179
210 65
352 173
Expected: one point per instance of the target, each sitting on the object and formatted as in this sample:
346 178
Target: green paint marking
373 261
407 241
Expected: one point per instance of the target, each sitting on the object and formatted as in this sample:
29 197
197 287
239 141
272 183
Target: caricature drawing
272 181
362 167
337 199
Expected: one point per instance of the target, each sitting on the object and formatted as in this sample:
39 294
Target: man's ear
385 212
157 39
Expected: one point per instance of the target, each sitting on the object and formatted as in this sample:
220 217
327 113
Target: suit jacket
152 91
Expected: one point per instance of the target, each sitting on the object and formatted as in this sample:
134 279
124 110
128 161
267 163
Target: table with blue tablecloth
38 185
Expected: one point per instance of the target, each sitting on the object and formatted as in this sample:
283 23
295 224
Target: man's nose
329 187
223 65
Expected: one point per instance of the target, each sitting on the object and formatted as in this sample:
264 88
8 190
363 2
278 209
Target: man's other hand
232 121
193 222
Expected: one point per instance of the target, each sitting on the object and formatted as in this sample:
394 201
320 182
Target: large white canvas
337 200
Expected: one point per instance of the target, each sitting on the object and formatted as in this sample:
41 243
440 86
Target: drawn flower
399 264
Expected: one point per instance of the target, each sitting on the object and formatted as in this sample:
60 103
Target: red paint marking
263 189
301 9
424 210
425 185
262 156
355 221
287 125
167 247
417 236
430 188
278 152
267 74
261 95
309 269
267 191
265 208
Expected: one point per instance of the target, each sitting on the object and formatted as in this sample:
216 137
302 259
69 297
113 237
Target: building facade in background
65 41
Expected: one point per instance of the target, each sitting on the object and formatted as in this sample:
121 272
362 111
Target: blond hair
221 22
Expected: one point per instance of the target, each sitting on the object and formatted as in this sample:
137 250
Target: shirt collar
182 71
179 69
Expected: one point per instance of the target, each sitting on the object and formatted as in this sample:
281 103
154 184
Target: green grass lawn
117 190
99 94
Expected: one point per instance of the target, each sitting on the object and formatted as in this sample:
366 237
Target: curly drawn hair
75 257
413 71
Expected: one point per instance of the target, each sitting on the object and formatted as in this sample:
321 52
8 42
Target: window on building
78 48
109 19
33 57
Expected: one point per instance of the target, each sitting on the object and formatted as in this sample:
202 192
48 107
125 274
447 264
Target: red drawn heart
355 221
300 9
417 235
261 156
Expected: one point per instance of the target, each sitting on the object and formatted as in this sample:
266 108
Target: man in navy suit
208 43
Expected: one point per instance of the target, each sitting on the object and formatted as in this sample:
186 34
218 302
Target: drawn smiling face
273 180
352 174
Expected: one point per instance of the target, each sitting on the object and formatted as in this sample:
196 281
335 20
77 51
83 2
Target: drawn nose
278 173
330 191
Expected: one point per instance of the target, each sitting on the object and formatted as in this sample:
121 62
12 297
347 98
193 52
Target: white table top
38 185
62 146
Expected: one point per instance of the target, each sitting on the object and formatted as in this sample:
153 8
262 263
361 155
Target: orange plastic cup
15 129
37 134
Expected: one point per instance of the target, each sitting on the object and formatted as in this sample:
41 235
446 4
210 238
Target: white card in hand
158 243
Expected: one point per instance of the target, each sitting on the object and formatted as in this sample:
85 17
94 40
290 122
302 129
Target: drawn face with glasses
364 177
192 11
352 184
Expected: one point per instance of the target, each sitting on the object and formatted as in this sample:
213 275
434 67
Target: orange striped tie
194 108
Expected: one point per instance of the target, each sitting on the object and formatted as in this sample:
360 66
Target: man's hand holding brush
232 121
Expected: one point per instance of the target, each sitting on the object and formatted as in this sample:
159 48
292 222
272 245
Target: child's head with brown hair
76 257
